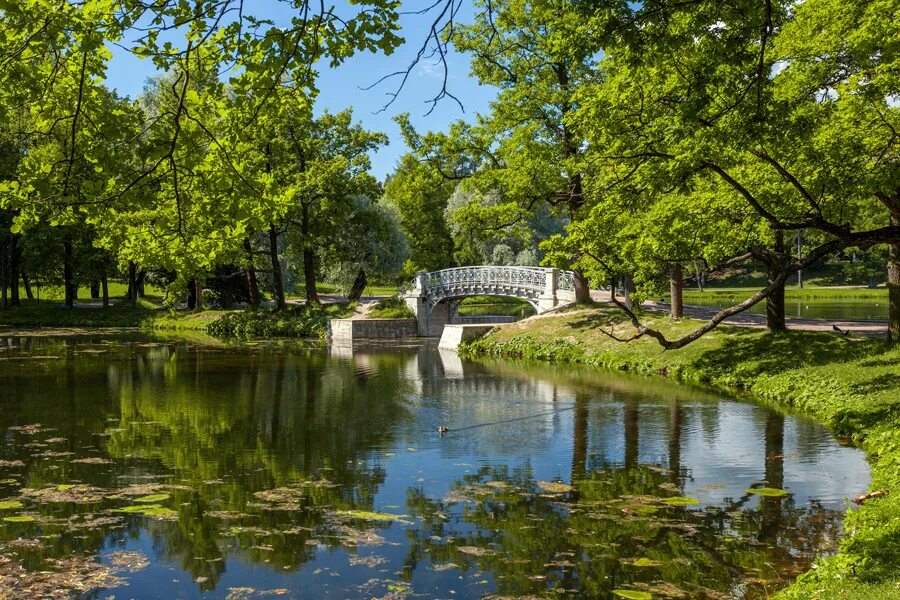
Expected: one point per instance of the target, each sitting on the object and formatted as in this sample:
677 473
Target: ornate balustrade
543 288
524 278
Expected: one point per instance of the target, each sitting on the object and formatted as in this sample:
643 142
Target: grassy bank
850 384
296 321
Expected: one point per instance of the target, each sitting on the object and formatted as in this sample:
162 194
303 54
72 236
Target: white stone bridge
434 297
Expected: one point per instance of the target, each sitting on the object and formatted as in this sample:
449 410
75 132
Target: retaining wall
347 330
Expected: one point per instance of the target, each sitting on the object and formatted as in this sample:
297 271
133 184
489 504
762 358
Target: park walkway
746 319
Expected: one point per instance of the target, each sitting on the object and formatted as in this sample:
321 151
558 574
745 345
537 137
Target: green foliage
173 181
391 308
297 322
419 195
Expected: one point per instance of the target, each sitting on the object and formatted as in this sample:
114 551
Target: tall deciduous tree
784 111
420 195
526 149
318 168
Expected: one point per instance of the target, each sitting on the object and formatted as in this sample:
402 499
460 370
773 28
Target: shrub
391 308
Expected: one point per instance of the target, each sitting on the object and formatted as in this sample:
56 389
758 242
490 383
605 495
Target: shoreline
851 385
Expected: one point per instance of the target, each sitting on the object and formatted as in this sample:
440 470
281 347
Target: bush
300 321
391 308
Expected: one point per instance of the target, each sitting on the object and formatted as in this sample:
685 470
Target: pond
832 309
142 468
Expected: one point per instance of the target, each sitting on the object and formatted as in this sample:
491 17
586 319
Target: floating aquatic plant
152 498
768 492
368 515
681 501
19 519
555 487
148 510
632 594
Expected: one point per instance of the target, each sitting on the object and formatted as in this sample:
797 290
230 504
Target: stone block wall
347 330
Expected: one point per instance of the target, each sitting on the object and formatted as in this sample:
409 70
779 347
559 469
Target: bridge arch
432 293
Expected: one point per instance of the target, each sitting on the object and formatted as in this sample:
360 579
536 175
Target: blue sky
341 88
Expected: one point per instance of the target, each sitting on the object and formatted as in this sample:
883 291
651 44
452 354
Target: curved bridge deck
434 296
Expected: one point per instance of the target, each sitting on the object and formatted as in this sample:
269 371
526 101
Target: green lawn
55 293
850 384
809 292
331 289
296 321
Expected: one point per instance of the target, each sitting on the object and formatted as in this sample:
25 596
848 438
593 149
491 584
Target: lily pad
368 515
10 504
555 487
644 562
768 492
19 519
64 487
680 501
632 594
152 498
148 510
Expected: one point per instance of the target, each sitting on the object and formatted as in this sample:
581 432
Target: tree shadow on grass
599 317
882 362
881 383
773 353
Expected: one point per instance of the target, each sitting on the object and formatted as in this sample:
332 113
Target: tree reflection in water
300 459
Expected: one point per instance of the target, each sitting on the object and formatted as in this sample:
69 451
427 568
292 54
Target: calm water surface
158 469
848 309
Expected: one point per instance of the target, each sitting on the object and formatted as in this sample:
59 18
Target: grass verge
296 321
852 385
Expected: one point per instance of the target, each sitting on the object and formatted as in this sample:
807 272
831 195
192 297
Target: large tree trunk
68 275
582 288
15 259
132 284
676 286
252 284
628 284
192 294
893 285
358 287
276 268
26 283
95 289
140 283
309 276
309 260
199 292
775 300
4 274
104 289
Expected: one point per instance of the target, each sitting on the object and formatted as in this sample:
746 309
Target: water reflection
311 472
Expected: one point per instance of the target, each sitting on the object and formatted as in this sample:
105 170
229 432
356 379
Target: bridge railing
566 281
522 278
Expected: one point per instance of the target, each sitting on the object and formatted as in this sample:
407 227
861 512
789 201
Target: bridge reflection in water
273 454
